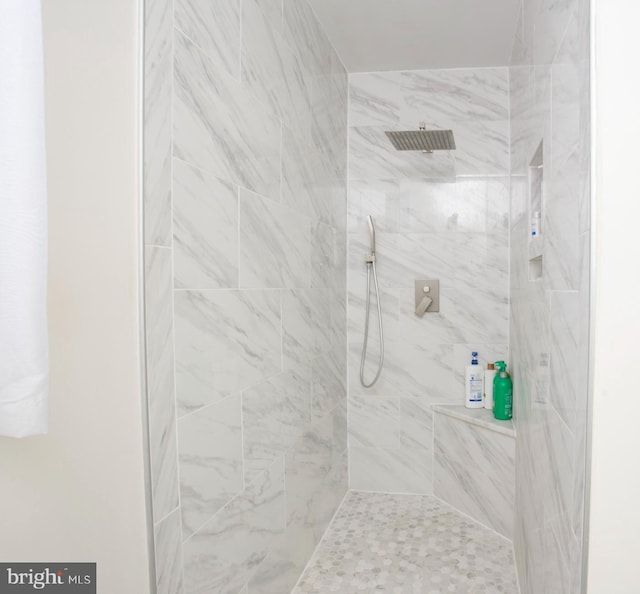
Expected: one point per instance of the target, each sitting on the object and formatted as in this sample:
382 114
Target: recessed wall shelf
536 204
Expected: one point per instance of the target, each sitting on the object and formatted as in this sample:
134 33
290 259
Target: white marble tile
271 69
223 555
160 381
455 95
524 126
157 122
518 49
561 208
214 28
416 424
582 391
168 542
485 320
275 414
403 258
307 465
340 428
378 198
550 25
331 492
225 341
519 207
375 98
374 422
339 321
274 244
325 264
557 575
549 101
210 454
474 471
482 147
284 562
304 34
389 304
219 127
205 230
443 207
328 130
330 203
563 308
306 331
474 103
421 371
328 382
558 498
484 451
299 171
372 156
402 470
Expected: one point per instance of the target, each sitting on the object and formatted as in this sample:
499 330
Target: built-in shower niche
536 204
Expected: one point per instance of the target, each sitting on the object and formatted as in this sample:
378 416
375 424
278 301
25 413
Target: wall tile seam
157 523
260 475
509 210
322 538
502 536
172 241
264 108
560 518
171 284
565 35
206 407
233 499
327 39
238 289
363 73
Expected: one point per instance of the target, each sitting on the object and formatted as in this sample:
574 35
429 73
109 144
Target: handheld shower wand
371 267
372 234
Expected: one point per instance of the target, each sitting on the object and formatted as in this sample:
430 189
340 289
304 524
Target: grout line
322 539
163 518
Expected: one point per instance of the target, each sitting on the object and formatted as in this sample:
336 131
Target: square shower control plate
428 288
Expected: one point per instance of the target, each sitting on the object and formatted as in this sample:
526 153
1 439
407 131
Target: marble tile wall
245 233
443 216
474 469
549 79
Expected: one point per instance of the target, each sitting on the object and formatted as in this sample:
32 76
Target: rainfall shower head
422 140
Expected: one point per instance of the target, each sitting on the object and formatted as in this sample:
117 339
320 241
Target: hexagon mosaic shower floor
407 544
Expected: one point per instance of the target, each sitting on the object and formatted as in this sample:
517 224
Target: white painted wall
614 547
77 494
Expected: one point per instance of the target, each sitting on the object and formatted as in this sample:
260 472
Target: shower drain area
407 544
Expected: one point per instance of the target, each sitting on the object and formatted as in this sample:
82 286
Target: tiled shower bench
474 464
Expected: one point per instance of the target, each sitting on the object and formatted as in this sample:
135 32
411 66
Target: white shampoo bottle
473 384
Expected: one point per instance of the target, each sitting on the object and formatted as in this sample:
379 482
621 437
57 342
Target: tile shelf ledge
481 417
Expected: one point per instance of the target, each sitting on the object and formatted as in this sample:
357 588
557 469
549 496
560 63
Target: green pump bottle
502 397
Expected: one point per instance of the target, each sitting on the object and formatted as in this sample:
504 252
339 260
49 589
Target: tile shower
262 161
245 146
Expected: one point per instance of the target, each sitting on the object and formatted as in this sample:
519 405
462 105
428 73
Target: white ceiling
372 35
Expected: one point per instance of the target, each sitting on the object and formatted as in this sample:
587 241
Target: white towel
23 222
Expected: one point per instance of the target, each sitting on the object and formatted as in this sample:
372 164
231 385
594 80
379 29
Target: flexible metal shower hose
371 266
